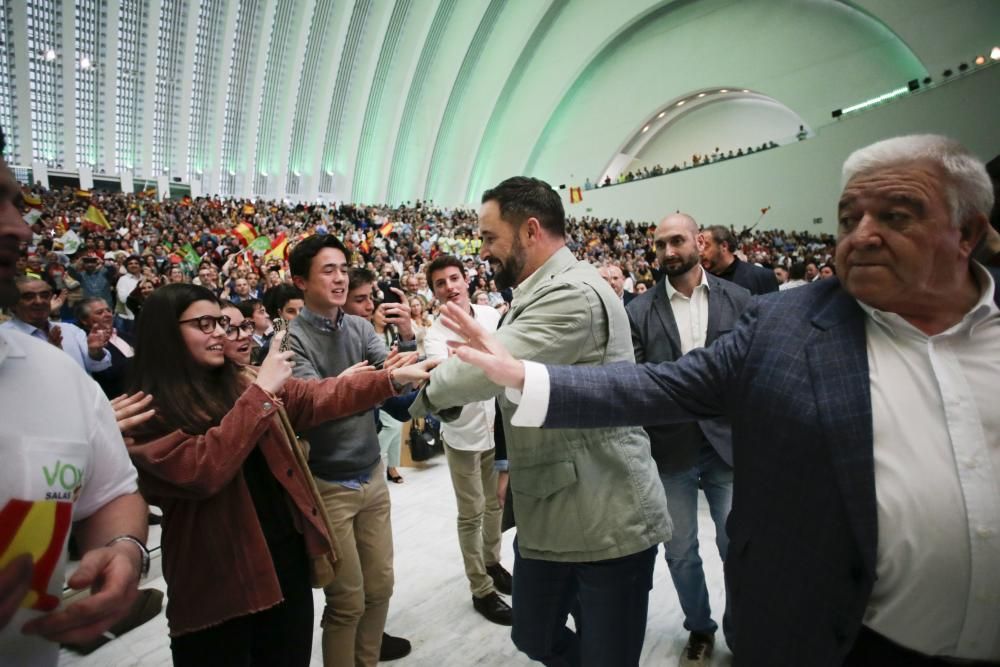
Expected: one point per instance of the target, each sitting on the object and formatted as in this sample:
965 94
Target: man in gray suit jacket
865 527
688 309
589 506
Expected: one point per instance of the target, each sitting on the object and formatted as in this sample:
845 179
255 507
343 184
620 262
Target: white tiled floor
432 606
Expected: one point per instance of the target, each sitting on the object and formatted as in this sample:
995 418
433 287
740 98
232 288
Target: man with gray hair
866 512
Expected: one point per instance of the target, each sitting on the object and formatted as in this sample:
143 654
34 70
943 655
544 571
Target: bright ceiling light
995 53
746 90
661 114
724 91
50 55
980 60
681 103
645 129
85 63
701 94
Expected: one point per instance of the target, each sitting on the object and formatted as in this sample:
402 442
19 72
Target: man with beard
589 507
64 461
689 308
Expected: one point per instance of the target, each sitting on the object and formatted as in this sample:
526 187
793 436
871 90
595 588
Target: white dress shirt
472 431
936 429
74 343
123 288
690 314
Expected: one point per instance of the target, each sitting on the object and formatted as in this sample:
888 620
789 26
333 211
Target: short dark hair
723 236
301 257
359 276
442 262
276 298
797 271
247 307
522 197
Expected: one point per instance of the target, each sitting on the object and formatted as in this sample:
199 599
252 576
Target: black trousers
873 650
279 636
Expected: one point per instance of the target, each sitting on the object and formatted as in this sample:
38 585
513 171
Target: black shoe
502 581
494 609
698 650
393 648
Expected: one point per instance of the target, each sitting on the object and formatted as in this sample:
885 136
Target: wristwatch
143 551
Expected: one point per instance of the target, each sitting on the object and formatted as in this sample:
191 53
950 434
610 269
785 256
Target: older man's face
897 248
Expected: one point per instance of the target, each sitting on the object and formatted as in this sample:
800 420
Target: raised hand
131 411
482 349
275 370
96 340
413 374
397 359
55 335
360 367
57 301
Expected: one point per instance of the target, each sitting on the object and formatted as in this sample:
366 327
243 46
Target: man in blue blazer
865 527
687 309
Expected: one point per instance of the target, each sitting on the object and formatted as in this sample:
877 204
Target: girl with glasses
243 532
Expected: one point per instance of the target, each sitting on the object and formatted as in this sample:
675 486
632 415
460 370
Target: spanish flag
38 529
248 209
245 231
385 229
95 217
575 195
279 249
31 199
84 194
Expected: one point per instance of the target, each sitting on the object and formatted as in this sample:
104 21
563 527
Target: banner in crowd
575 195
246 232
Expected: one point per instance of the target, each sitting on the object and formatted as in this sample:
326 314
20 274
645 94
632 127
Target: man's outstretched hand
482 349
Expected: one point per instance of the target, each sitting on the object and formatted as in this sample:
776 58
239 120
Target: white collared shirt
74 343
936 426
472 431
936 441
690 314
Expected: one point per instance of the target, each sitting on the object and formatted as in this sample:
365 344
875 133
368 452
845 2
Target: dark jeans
281 635
611 596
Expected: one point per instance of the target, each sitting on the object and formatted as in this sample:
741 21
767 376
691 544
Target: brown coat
215 559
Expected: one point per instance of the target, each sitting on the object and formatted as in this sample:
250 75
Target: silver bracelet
143 551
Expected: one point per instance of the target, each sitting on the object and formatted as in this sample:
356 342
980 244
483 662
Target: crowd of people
257 361
697 160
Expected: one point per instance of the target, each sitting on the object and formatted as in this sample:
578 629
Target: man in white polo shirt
63 462
469 445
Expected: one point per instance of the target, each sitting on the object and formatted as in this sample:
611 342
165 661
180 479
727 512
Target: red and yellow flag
248 209
95 217
385 229
245 231
575 195
38 529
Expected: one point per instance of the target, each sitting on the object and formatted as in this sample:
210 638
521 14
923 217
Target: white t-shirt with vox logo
62 459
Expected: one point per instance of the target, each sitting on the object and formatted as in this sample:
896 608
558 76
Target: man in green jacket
588 503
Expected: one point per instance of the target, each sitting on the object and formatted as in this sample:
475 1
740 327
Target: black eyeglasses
208 323
233 332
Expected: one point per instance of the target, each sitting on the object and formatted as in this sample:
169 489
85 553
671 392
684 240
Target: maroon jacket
215 559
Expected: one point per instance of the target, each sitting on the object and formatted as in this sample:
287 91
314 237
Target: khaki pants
357 602
479 514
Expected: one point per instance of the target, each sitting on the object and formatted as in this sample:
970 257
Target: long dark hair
186 395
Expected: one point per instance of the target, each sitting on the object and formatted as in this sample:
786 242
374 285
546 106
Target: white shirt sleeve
533 402
111 474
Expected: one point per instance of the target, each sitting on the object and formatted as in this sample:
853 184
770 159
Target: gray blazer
579 495
655 338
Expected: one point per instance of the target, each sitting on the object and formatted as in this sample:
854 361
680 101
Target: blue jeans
715 477
609 600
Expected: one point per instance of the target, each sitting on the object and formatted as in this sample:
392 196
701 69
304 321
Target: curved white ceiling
379 100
